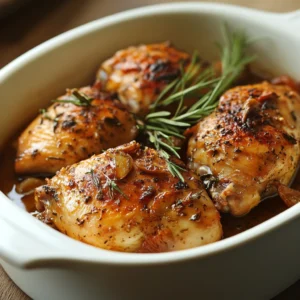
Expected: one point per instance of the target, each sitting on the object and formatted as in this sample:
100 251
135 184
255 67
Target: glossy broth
231 225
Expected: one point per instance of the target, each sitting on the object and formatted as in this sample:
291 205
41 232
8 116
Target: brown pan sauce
231 225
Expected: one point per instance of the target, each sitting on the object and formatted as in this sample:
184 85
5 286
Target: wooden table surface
22 29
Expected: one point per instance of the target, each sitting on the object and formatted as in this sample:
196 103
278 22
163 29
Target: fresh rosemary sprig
156 138
95 179
77 98
111 184
189 83
45 115
162 126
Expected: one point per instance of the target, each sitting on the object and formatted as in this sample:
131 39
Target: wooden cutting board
27 23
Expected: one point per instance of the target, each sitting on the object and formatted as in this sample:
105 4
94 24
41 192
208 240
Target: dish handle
292 19
20 245
22 249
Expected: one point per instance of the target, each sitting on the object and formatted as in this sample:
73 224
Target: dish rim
92 254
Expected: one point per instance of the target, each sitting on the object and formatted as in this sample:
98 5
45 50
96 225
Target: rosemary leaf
164 92
112 186
175 170
169 147
158 114
77 98
45 115
170 132
161 126
95 179
171 99
172 122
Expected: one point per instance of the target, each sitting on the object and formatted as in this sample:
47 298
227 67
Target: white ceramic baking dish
256 264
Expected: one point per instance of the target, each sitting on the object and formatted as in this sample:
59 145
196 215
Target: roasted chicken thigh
125 199
247 146
66 133
138 74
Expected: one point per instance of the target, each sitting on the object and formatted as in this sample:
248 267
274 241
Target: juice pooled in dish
139 195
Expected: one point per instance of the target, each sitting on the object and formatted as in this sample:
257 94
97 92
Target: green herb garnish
94 178
111 184
77 98
162 126
45 115
112 187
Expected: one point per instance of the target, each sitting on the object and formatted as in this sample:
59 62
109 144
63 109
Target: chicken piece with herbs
138 74
72 130
247 146
126 199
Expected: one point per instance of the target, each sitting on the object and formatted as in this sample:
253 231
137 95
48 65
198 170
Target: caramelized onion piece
28 185
39 205
152 164
288 195
123 164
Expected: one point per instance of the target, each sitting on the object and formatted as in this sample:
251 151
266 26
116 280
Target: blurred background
27 23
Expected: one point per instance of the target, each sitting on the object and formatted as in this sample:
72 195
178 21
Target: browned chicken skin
247 146
65 134
127 200
138 74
